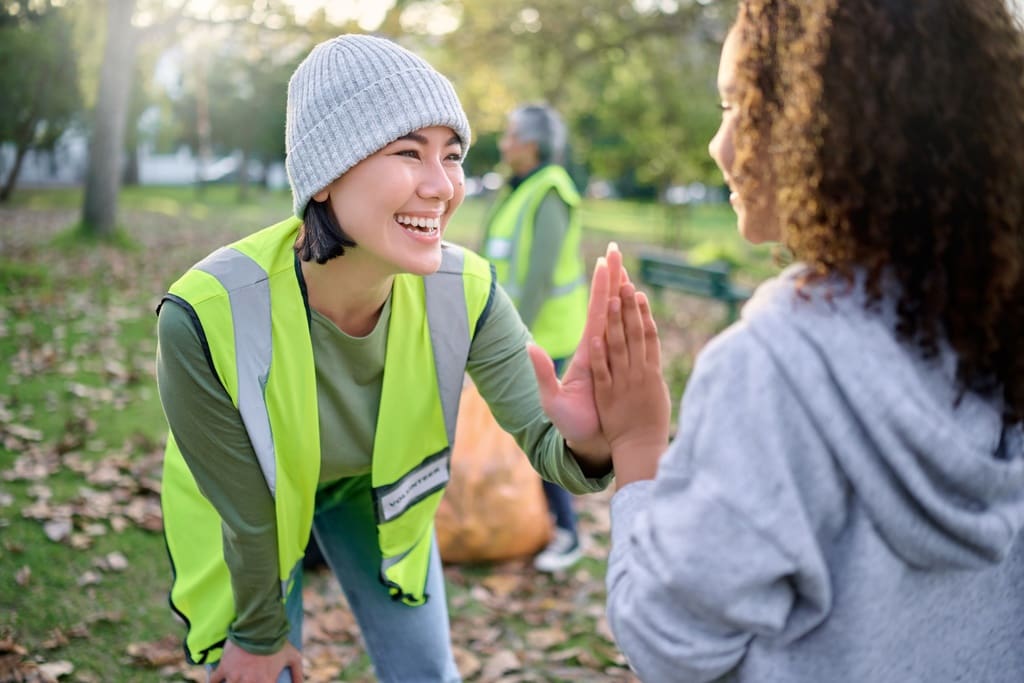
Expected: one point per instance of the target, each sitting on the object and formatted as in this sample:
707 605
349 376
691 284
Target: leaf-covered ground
85 572
83 596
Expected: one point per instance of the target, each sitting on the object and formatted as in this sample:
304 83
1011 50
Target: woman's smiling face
395 204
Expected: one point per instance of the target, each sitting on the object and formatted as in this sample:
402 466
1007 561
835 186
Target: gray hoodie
829 511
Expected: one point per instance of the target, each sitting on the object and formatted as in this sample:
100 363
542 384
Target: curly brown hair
892 136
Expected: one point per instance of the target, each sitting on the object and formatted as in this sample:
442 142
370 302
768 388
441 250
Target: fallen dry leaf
156 653
14 668
57 639
89 578
501 585
498 665
545 638
80 541
181 672
57 529
22 432
55 670
469 664
116 561
95 529
23 575
9 646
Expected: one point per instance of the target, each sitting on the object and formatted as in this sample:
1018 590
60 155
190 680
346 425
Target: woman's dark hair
891 135
321 238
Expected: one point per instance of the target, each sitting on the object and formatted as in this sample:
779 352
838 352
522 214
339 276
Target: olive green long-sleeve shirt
349 371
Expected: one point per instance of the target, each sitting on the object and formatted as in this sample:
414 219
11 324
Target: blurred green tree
150 24
38 81
634 79
248 83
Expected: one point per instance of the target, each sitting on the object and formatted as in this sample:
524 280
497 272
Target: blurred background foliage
634 79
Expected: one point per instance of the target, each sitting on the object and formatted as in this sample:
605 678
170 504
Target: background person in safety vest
844 498
533 239
310 374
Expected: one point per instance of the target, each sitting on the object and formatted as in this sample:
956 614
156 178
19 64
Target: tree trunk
24 137
264 178
103 178
130 176
12 177
203 131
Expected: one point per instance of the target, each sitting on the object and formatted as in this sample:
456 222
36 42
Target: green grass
707 231
77 343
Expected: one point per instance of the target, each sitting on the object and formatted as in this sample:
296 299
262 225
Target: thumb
544 369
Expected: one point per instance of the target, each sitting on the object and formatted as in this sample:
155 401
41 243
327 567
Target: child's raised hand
629 390
570 402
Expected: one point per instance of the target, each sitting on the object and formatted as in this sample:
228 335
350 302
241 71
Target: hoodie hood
939 475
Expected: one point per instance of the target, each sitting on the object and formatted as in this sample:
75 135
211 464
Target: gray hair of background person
541 124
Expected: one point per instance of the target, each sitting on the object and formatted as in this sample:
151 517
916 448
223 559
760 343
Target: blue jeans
406 644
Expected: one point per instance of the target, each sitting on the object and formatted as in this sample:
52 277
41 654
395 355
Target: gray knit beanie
350 97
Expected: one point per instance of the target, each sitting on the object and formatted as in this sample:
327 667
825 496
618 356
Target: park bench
712 280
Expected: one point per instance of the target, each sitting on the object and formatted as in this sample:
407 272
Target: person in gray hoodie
844 498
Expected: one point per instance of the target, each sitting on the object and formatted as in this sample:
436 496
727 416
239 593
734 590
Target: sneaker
561 553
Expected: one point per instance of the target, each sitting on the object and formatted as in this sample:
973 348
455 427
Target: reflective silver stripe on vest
287 583
389 562
562 290
448 321
249 296
449 331
429 476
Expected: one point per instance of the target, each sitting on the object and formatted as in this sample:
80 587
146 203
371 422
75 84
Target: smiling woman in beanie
311 372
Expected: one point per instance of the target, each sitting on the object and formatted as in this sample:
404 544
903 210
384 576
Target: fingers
599 367
633 346
296 670
652 344
544 369
597 306
599 288
611 282
615 271
615 338
217 676
633 330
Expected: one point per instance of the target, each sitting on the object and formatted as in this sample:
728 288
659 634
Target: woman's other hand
238 666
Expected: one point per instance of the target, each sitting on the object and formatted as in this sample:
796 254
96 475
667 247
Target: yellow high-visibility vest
510 232
253 316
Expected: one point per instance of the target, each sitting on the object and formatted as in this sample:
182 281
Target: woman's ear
322 194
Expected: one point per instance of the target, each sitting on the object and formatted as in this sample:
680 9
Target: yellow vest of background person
262 353
510 230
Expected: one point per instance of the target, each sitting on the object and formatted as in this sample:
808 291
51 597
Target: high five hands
612 400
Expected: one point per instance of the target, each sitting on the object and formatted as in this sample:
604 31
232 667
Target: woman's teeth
419 223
